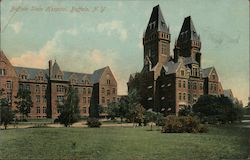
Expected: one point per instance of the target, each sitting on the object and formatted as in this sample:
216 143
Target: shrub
56 120
93 123
189 124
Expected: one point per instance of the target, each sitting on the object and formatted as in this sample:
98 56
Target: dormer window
182 72
23 77
108 81
2 72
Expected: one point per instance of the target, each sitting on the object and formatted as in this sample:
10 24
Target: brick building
48 86
168 83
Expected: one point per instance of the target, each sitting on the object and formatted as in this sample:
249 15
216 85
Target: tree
217 109
95 109
150 117
70 112
113 110
24 102
185 111
6 113
135 111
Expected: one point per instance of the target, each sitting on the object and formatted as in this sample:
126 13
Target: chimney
50 68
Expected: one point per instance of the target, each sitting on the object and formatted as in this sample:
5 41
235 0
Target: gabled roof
171 67
32 72
188 31
67 75
206 72
228 93
189 60
97 75
55 69
156 21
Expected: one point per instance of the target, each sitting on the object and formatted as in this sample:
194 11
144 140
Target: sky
83 36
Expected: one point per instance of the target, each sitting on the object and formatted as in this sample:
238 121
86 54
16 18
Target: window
182 72
24 77
184 96
189 97
88 99
84 90
38 99
38 109
113 91
213 77
27 87
194 86
44 109
103 90
103 100
44 99
84 100
108 92
59 109
84 109
9 85
184 84
189 85
9 97
211 87
21 86
2 72
37 88
179 83
179 96
59 88
60 98
108 101
89 90
215 87
43 88
108 81
201 87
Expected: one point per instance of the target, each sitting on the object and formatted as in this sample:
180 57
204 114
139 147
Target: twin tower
157 38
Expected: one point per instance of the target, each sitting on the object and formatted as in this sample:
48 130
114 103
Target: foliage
95 109
113 110
24 101
160 119
150 117
6 113
189 124
247 110
70 108
93 123
185 111
136 114
214 109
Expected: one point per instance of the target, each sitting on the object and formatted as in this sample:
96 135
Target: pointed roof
156 21
171 67
207 71
55 69
188 31
32 72
98 74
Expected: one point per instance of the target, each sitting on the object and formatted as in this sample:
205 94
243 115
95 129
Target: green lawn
117 143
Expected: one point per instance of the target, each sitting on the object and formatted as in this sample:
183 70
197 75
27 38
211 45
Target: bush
189 124
56 120
93 123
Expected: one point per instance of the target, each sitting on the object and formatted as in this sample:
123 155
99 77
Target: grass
112 143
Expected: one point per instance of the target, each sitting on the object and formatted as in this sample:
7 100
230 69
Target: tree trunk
5 126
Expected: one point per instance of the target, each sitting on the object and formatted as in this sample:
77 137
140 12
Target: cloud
113 26
40 58
17 26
